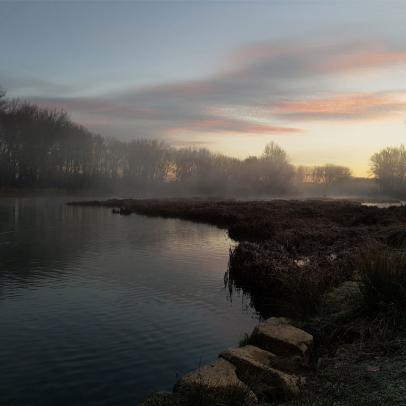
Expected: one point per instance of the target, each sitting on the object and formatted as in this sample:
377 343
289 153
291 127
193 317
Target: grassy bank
293 257
289 252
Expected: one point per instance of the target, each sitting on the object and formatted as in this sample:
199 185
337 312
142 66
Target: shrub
280 283
397 238
383 278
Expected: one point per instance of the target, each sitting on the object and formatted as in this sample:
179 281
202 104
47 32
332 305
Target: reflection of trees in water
234 291
42 239
45 239
259 300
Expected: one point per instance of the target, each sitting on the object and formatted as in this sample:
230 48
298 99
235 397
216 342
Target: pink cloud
281 76
319 57
231 125
350 106
364 59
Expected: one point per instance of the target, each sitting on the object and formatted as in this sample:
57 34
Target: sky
326 80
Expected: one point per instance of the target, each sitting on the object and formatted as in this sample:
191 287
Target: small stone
373 369
281 338
215 383
256 368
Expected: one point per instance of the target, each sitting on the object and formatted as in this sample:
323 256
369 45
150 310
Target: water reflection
384 205
102 309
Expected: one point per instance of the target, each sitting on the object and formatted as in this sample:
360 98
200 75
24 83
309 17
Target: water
384 205
102 309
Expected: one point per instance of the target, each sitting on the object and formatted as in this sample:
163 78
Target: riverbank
293 259
270 365
315 239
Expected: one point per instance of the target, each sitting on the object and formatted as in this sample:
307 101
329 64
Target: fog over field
43 148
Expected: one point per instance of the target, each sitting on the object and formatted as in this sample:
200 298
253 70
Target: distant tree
304 174
43 147
273 152
330 174
190 162
388 166
2 99
147 161
249 174
3 145
276 173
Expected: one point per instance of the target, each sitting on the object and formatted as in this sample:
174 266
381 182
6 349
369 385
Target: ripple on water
99 309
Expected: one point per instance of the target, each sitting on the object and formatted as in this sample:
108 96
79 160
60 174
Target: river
102 309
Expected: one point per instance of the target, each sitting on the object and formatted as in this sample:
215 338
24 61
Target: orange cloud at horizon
349 106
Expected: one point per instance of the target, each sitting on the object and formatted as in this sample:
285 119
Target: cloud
365 59
185 143
230 125
348 107
105 107
19 86
304 59
277 82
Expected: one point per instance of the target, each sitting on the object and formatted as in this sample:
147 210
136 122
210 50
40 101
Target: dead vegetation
335 265
290 252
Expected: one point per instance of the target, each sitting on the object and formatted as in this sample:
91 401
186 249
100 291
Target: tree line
44 148
41 147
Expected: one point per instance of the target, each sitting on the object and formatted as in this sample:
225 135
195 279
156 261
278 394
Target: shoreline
107 195
296 259
315 239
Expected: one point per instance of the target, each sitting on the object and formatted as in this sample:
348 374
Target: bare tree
43 147
330 174
388 166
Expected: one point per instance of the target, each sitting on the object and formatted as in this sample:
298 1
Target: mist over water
99 309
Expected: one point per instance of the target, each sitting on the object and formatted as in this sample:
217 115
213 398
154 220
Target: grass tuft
383 279
245 340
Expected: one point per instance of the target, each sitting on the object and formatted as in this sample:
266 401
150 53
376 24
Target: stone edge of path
269 367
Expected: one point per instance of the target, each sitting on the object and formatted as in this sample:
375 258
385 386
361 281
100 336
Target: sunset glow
230 93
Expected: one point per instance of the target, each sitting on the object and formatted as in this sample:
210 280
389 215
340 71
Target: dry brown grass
274 235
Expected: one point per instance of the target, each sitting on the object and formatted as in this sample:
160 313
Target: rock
214 384
281 338
256 368
291 364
